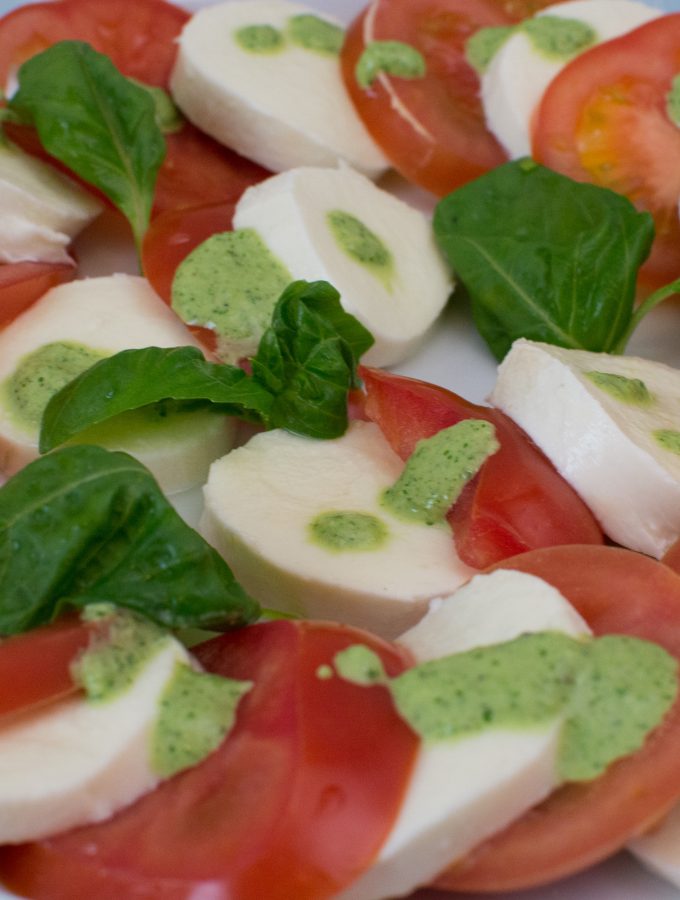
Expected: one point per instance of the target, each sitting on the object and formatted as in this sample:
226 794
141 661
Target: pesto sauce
481 48
362 245
632 391
673 101
391 57
40 374
438 470
264 39
348 531
316 34
668 439
559 38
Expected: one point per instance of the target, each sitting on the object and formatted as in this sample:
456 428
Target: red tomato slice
617 592
603 119
22 283
517 501
35 668
432 129
295 803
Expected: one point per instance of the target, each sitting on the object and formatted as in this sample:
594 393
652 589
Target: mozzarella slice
261 499
284 107
104 316
79 761
611 427
462 792
659 848
379 252
40 210
519 73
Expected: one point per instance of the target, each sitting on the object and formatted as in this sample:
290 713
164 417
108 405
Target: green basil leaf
95 121
308 360
544 257
85 525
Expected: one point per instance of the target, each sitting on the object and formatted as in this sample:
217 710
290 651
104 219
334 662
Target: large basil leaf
97 122
84 525
544 257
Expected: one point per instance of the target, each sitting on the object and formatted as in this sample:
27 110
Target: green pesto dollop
348 531
557 37
230 283
40 374
197 711
608 692
113 662
673 101
481 48
391 57
628 390
361 244
668 439
438 470
260 39
166 113
314 33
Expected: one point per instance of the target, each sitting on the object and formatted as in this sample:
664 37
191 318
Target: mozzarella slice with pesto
69 329
263 77
536 51
302 524
379 252
611 427
659 848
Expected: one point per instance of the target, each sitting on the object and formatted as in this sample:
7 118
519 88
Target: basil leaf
135 378
95 121
85 525
308 360
544 257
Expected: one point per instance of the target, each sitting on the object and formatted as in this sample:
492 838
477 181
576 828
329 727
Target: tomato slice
603 119
517 501
35 668
618 592
432 129
295 803
22 283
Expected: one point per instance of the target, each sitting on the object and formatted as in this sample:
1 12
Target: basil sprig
547 258
97 122
305 365
85 525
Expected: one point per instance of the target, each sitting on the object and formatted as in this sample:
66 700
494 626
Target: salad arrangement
299 379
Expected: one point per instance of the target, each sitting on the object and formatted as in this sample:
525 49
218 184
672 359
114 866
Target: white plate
456 357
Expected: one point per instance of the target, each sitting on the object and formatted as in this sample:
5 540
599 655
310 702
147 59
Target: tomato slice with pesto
431 126
295 803
22 283
612 117
516 502
617 592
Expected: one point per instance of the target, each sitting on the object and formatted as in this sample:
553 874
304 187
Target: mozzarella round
283 108
261 499
659 848
519 73
392 278
106 315
621 455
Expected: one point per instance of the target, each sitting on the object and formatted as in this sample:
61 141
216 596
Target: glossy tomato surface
618 592
605 119
517 501
22 283
294 804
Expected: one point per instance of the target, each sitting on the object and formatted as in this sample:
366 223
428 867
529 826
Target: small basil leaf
135 378
308 360
85 525
95 121
544 257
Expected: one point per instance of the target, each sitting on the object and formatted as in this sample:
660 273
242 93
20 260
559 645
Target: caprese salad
395 650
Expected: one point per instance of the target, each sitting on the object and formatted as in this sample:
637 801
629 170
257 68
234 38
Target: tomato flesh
618 592
22 283
517 501
295 803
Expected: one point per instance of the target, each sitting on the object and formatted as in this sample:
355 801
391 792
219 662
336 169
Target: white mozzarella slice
621 455
79 761
107 315
659 848
261 499
283 109
398 300
41 211
519 73
464 791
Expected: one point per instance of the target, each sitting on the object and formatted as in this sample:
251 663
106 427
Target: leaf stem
648 304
